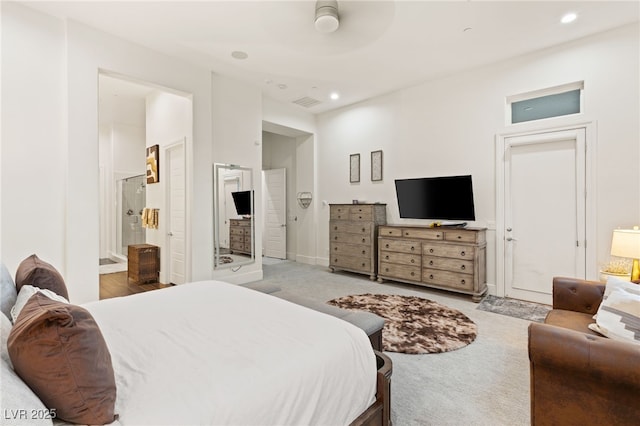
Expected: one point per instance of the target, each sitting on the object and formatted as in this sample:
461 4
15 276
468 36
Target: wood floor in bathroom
117 285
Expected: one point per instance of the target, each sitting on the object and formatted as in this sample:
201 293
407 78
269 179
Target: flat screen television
447 198
242 201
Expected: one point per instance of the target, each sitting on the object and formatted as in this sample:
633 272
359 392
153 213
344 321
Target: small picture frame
354 168
376 165
153 164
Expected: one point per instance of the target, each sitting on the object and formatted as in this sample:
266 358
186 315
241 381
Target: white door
176 196
275 213
544 217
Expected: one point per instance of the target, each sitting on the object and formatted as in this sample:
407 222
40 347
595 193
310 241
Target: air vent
307 102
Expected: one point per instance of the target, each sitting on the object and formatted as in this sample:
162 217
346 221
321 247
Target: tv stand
446 258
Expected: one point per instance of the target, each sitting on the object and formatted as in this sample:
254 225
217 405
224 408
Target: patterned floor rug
514 308
414 325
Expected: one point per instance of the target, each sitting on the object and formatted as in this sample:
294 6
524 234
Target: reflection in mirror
233 214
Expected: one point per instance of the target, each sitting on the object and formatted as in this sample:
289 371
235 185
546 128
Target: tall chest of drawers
445 258
353 231
240 236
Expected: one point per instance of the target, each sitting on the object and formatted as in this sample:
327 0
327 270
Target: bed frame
379 413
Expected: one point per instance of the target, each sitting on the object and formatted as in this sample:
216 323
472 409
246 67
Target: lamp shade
626 243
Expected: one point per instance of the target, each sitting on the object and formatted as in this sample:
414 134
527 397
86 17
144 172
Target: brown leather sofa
577 376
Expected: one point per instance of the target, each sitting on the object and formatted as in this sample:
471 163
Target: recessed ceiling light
334 96
569 17
238 54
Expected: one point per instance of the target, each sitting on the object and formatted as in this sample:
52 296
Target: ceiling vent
307 102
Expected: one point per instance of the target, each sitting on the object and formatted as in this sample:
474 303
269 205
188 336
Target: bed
210 352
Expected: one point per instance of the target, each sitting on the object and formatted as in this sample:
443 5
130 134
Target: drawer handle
430 250
412 248
463 267
430 276
335 249
462 281
431 263
462 253
335 228
413 261
387 257
459 237
359 217
412 274
386 269
364 252
335 260
335 238
386 245
363 229
363 240
390 232
363 265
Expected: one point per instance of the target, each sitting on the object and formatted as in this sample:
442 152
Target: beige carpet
484 383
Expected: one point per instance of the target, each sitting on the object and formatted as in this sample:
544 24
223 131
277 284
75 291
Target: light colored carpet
484 383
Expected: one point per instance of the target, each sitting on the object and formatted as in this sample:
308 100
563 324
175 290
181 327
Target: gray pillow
8 292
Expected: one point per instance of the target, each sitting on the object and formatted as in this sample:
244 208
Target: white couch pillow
26 291
619 315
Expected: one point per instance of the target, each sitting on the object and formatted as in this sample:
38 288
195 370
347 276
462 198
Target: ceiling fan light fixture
327 20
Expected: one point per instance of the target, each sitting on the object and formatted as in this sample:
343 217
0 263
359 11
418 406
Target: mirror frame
217 168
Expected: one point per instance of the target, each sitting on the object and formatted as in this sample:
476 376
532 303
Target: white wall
448 127
50 73
33 155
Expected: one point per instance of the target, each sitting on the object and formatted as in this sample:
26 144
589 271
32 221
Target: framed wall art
376 165
354 169
153 164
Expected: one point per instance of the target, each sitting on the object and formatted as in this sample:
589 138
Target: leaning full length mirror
233 214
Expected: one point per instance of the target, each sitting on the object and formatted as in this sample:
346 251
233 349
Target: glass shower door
131 200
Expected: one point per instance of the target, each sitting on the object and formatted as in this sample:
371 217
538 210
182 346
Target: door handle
283 225
508 229
511 239
170 234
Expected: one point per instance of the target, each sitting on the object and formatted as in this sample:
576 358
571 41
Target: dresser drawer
448 264
402 246
350 227
402 272
448 250
425 234
235 238
361 213
356 250
351 262
336 237
387 231
448 279
462 236
400 258
236 231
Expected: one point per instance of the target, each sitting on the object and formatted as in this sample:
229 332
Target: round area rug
414 325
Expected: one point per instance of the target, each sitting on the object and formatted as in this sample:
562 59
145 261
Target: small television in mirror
447 198
242 201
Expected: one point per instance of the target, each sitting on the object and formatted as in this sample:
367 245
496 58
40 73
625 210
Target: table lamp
626 243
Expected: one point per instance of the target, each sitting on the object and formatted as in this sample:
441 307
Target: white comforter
213 353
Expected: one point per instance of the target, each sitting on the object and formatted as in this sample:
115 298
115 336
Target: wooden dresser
240 236
445 258
353 231
143 263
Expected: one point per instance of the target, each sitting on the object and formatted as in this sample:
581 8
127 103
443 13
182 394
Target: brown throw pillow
38 273
59 352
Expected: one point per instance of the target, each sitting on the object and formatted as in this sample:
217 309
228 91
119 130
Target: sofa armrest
571 371
573 294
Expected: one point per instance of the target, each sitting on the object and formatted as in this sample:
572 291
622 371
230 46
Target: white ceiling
381 46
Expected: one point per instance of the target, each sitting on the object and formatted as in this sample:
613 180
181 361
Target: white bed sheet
214 353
